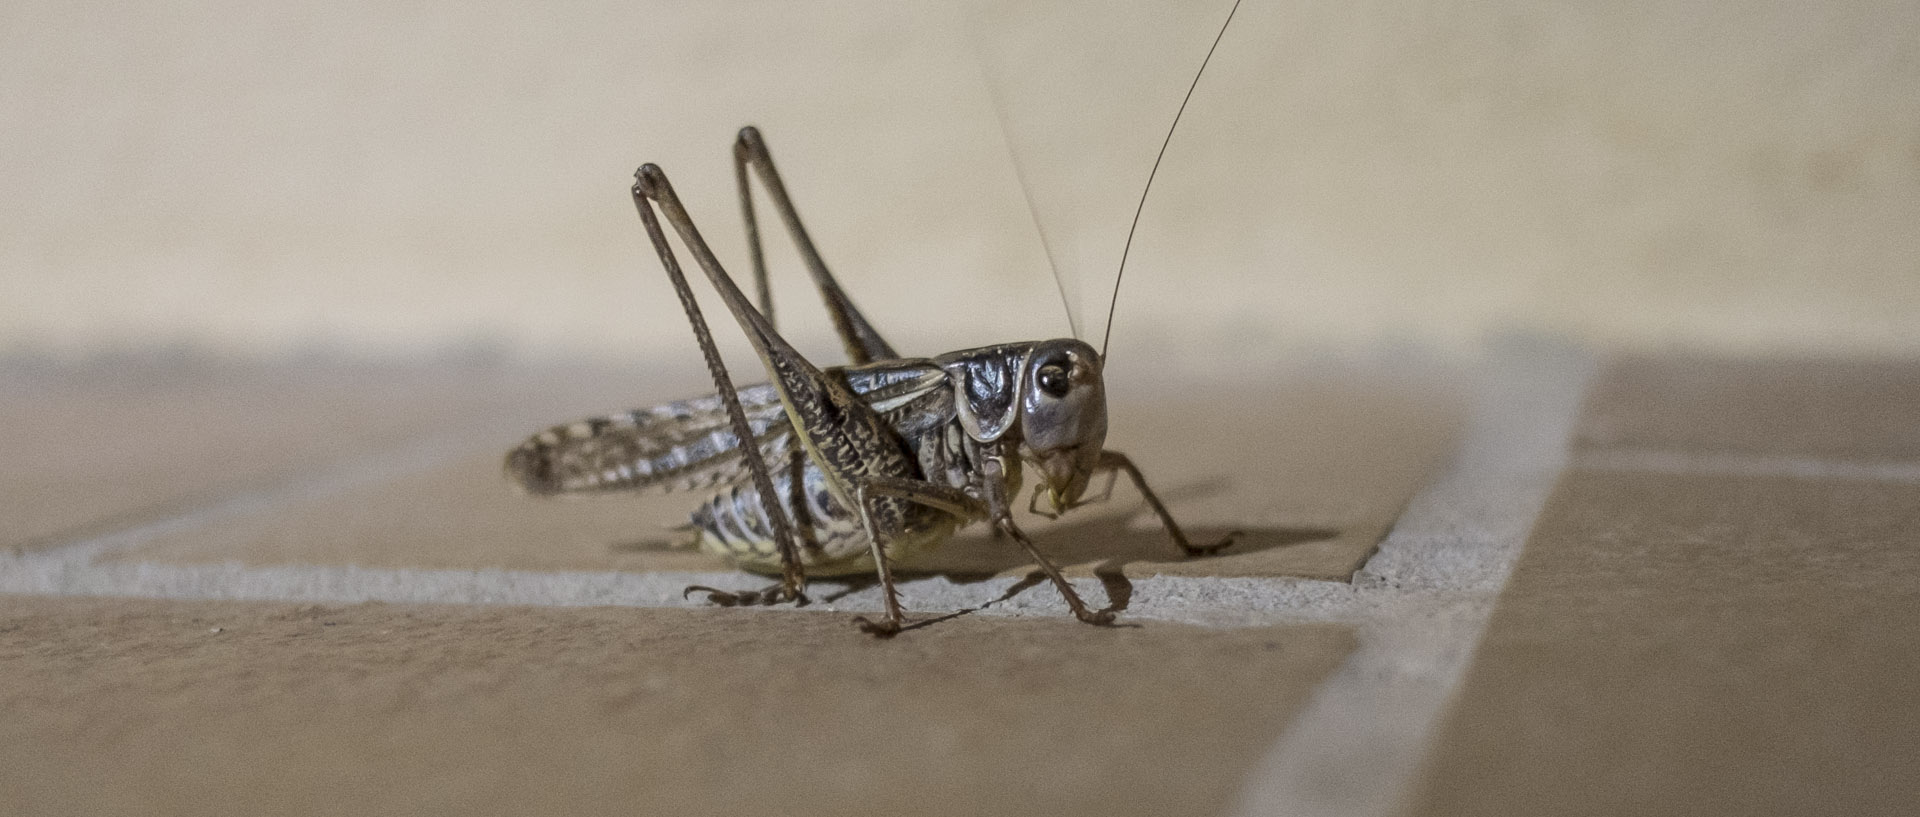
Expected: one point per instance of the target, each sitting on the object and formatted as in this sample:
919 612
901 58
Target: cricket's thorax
937 410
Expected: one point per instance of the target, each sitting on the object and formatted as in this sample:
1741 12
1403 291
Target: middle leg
947 500
1001 513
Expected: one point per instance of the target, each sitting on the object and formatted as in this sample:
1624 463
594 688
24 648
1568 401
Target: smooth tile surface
1831 408
1674 644
116 444
122 706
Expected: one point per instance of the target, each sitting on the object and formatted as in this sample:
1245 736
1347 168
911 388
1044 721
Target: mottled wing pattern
678 446
689 444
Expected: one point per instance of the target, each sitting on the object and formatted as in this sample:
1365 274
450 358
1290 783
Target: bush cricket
845 470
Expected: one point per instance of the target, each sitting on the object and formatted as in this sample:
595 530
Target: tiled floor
1698 644
1716 615
143 707
1712 616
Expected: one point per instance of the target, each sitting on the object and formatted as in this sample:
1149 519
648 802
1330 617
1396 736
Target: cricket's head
1063 416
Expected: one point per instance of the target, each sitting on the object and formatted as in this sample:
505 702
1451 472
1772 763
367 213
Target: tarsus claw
885 628
771 595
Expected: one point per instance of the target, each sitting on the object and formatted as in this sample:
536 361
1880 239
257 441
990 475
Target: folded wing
689 444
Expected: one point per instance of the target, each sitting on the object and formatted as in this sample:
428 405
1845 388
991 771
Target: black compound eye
1053 379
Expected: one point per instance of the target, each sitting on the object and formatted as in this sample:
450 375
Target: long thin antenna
1115 302
1020 176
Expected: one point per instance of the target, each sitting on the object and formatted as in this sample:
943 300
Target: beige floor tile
1697 645
112 444
1313 472
153 707
1847 409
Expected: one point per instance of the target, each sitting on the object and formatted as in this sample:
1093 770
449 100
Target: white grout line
1204 601
78 569
71 569
1357 746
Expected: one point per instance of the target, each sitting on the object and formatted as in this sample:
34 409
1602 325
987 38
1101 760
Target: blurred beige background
388 178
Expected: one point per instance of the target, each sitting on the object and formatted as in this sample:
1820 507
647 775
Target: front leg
1001 514
1080 609
1116 461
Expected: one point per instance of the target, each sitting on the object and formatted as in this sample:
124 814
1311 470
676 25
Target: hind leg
849 442
793 579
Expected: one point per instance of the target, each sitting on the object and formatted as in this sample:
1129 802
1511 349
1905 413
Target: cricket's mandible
848 469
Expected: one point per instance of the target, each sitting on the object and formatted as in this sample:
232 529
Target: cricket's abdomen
733 525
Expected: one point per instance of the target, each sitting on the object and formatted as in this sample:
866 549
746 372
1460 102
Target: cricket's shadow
1110 538
1110 544
1114 538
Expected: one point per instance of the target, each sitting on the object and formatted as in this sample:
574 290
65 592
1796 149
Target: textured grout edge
1358 744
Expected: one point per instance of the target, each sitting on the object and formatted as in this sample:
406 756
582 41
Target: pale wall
353 175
